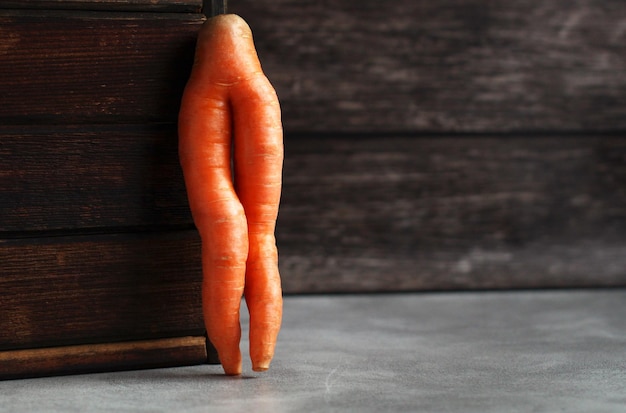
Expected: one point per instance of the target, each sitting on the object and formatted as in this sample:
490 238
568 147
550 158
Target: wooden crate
99 259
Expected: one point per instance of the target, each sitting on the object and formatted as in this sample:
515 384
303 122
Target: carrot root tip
232 371
261 366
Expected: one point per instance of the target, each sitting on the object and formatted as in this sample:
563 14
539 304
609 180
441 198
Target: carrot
231 153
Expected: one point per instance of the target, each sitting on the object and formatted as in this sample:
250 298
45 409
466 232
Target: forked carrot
230 113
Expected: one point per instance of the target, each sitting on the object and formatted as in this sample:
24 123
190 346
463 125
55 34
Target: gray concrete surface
458 352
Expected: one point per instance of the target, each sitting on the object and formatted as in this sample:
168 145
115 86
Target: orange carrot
230 116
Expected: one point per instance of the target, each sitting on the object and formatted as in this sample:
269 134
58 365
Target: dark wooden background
457 144
452 144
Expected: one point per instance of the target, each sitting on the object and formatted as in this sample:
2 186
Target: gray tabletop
433 352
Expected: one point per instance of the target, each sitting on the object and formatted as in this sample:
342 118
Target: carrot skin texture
258 178
229 104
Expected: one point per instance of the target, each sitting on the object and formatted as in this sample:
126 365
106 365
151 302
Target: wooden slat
179 6
95 176
438 212
95 289
421 66
449 65
79 67
167 352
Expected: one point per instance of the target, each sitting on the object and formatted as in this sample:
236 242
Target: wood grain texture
90 177
179 6
87 358
394 212
450 65
99 288
453 212
80 67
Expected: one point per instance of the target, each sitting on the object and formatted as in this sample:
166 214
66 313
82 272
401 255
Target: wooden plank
450 65
432 212
397 212
411 213
87 358
101 288
131 67
90 177
178 6
426 66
